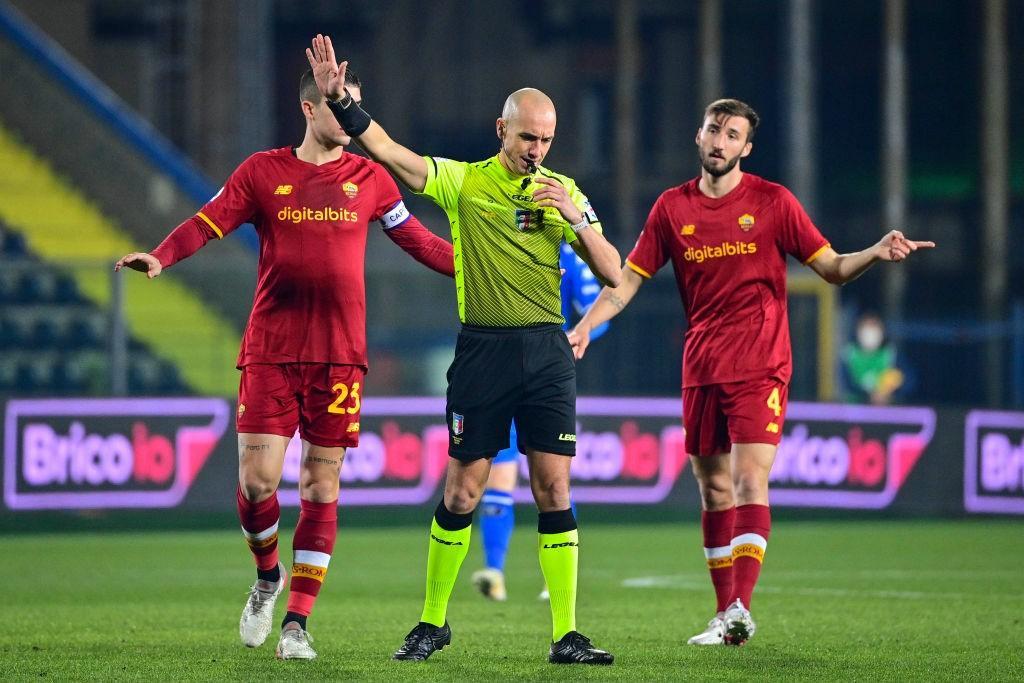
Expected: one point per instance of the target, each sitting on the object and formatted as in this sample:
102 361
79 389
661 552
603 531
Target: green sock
559 557
447 551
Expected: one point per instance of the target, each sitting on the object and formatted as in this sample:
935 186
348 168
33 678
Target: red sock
718 525
259 525
313 544
750 539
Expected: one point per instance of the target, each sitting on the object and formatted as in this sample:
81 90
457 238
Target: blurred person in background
303 354
508 218
869 364
727 234
497 514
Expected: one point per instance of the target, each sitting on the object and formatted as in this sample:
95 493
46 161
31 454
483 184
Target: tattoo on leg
324 461
253 448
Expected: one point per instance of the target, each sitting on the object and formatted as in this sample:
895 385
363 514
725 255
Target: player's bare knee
551 495
751 488
461 503
462 500
716 490
255 488
319 490
717 499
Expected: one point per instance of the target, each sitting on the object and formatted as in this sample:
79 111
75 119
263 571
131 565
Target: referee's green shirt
506 247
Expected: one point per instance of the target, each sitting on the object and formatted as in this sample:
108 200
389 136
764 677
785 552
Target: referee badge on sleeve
589 213
458 422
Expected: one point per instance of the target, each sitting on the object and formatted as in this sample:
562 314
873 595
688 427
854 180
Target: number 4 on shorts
774 403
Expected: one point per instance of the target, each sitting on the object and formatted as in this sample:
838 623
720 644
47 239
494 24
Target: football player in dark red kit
727 234
303 354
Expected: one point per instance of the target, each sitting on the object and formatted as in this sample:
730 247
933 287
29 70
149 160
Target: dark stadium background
119 118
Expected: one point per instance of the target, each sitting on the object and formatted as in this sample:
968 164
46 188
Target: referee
508 218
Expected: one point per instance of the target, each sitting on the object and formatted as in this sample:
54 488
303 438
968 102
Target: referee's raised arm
406 165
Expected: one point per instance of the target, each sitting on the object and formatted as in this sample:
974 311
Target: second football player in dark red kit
727 234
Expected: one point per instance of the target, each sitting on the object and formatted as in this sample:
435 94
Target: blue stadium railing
110 108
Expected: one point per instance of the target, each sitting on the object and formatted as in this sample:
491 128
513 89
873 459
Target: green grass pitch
837 601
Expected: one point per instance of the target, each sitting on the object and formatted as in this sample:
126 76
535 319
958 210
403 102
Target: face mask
869 337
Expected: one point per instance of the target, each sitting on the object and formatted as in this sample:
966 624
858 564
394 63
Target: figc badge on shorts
457 423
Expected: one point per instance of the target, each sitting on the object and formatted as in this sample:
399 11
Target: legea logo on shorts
848 456
61 454
994 462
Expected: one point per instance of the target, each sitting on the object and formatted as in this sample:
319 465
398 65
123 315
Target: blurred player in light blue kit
497 519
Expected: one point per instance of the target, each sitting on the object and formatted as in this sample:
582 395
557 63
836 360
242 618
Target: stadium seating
54 342
45 220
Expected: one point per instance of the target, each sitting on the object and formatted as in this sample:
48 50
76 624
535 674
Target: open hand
329 75
142 262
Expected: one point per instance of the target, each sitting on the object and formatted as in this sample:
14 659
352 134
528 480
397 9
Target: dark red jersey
310 301
729 257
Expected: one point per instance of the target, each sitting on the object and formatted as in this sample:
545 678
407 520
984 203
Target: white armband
395 216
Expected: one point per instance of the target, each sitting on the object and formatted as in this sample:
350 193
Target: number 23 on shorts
343 392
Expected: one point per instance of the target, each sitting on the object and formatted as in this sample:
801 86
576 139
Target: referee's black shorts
501 373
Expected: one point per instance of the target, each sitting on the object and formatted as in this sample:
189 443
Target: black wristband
350 115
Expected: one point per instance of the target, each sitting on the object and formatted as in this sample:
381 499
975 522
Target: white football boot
739 626
491 584
258 613
714 634
295 643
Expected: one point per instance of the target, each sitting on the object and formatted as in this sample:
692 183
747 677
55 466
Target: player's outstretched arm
405 164
838 269
140 261
609 304
184 240
416 240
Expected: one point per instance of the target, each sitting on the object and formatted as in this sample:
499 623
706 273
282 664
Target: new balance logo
772 428
283 189
354 427
567 544
444 542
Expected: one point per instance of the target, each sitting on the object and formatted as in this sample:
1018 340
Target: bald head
527 102
526 129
